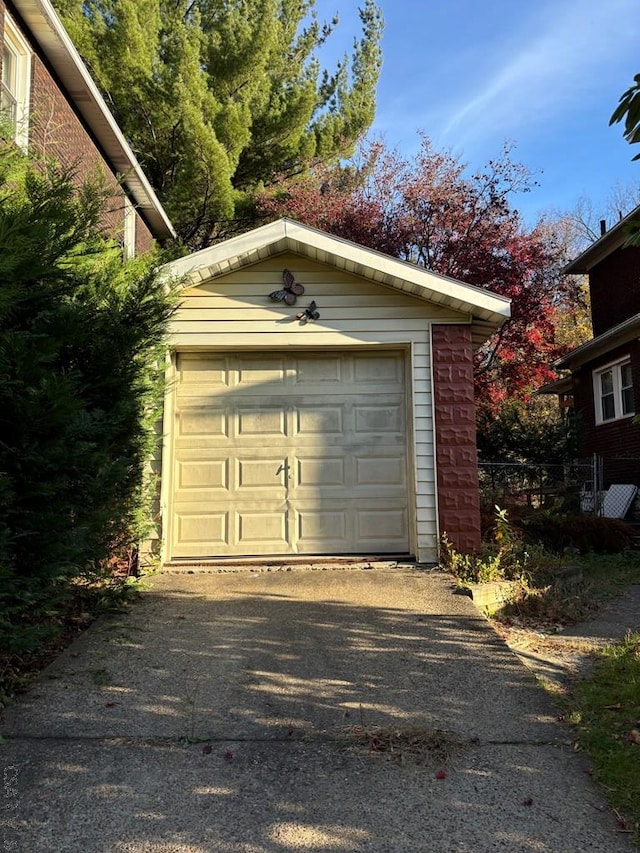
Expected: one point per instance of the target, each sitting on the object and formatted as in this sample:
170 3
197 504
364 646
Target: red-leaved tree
429 211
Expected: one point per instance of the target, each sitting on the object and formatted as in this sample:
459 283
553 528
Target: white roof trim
48 31
624 332
287 235
601 248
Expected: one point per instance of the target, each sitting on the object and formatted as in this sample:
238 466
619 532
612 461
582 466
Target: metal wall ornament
309 314
290 291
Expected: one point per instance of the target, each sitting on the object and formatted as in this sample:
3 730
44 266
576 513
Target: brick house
603 382
54 107
350 432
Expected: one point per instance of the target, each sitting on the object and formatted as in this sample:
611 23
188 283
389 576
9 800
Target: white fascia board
623 333
604 246
48 31
466 297
244 245
286 235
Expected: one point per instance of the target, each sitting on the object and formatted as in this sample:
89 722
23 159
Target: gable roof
48 32
487 311
613 239
624 332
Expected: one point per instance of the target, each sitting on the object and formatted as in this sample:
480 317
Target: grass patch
605 711
551 606
607 574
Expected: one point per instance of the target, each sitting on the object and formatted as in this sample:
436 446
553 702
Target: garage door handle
283 467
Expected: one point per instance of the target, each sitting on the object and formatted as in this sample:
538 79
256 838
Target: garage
303 453
319 402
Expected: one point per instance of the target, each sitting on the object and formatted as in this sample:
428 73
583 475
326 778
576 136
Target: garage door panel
379 418
205 422
319 470
317 421
323 530
297 453
257 370
196 528
198 370
198 473
379 526
377 369
381 470
310 369
262 473
262 528
262 422
349 527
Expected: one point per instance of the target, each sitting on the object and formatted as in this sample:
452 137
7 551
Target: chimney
603 227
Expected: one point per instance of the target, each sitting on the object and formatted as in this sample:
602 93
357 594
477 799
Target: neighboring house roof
487 311
564 385
624 332
613 239
49 33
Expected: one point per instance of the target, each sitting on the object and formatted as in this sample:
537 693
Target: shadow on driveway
215 716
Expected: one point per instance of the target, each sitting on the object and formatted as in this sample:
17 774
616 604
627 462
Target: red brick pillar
456 453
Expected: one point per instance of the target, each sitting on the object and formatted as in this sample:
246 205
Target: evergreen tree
217 97
80 332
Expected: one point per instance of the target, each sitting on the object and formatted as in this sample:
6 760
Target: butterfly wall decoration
290 290
310 313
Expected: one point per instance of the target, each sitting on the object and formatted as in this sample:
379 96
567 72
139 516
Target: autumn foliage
427 210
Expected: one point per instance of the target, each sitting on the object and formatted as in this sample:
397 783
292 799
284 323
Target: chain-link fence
565 488
606 486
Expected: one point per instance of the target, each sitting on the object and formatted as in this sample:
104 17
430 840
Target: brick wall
614 284
456 454
55 130
617 438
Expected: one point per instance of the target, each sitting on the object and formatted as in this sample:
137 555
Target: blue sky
543 74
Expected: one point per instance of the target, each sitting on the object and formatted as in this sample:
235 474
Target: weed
191 701
506 557
421 745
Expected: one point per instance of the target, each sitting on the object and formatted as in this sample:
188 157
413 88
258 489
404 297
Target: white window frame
615 368
16 44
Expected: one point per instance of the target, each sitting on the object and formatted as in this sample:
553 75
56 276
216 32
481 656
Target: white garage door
289 454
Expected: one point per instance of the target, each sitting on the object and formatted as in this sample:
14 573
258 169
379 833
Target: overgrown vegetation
505 556
605 709
582 534
552 563
81 339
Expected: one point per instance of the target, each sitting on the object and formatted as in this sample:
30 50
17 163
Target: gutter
620 334
49 33
604 246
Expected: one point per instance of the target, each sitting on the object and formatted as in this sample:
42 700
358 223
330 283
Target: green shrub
582 533
81 335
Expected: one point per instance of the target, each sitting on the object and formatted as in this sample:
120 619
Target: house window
613 387
15 82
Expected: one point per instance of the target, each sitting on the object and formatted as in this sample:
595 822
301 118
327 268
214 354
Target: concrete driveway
223 713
